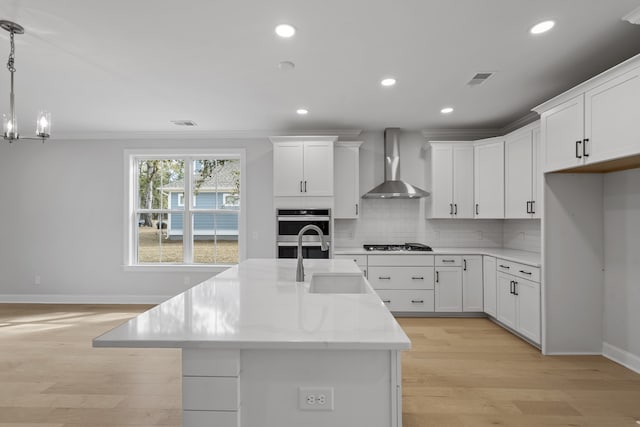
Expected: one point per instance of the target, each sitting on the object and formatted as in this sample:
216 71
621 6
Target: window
184 209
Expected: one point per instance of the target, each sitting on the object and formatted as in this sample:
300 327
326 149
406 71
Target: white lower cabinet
448 289
489 285
403 282
519 305
472 294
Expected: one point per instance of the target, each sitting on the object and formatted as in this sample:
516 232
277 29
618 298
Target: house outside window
184 209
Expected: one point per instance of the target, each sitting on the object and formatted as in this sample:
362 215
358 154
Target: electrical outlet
315 398
36 280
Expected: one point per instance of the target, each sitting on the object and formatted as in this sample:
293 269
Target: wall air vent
184 123
479 78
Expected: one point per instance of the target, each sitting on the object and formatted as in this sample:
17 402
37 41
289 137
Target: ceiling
127 67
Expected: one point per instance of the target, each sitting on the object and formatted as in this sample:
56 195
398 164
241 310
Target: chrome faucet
323 245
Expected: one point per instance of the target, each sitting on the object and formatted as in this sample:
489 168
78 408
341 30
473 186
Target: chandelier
43 122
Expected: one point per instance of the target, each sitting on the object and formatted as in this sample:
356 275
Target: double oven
289 222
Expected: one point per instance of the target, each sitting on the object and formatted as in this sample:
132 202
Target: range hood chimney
393 187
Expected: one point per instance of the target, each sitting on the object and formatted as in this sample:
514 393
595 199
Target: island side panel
366 387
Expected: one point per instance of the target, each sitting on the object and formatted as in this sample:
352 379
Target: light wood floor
460 372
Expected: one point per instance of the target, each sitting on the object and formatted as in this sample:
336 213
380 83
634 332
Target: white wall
622 267
62 219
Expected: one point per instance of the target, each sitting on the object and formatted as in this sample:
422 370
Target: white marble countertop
524 257
258 305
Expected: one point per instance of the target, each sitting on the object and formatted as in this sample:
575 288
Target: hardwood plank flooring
459 373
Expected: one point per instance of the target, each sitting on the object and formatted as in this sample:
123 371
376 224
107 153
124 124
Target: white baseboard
82 299
623 357
573 353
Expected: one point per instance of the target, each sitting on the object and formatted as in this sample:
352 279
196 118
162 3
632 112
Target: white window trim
130 214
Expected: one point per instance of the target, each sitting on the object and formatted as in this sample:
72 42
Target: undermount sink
338 283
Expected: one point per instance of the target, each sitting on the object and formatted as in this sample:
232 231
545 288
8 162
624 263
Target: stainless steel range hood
393 187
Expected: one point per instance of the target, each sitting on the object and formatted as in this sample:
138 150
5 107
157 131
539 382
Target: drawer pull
417 301
525 272
504 266
384 277
448 260
417 278
386 301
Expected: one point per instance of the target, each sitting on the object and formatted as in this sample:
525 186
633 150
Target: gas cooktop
418 247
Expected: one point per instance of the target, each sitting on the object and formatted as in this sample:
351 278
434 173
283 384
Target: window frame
131 213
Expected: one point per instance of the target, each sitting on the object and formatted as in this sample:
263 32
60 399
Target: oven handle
304 218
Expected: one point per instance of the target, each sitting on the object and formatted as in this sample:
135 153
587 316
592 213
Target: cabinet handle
578 155
365 273
437 277
450 208
533 206
477 213
529 207
386 301
515 289
384 278
448 260
417 301
305 186
417 278
511 287
584 148
504 266
301 186
356 209
465 265
525 272
456 209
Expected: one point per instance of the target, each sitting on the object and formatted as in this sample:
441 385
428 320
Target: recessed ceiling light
302 111
285 30
542 27
389 81
447 110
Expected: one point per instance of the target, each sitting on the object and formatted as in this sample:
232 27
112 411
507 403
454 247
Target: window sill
177 268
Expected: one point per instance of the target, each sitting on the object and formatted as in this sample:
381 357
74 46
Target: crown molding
527 119
460 134
193 134
633 16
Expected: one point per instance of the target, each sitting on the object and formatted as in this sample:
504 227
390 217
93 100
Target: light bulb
43 124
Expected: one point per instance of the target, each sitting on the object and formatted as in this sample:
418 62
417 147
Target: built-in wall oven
289 222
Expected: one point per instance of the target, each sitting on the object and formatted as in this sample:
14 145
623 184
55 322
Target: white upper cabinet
347 180
303 166
451 180
522 175
489 178
593 123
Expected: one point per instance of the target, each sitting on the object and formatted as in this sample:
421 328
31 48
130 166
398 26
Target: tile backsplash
403 220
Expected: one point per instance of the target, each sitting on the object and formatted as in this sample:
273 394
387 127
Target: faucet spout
323 245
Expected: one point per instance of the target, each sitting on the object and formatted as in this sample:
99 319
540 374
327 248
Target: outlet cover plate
315 398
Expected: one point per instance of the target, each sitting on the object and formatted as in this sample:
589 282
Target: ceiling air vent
479 78
184 123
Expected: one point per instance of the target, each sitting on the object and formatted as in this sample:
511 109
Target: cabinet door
506 307
562 130
288 169
489 180
448 289
528 309
463 181
346 183
489 285
472 283
441 181
611 118
318 168
518 165
536 174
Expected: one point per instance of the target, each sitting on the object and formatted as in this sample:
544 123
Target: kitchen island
261 350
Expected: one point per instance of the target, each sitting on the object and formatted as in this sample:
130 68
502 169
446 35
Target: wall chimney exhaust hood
393 187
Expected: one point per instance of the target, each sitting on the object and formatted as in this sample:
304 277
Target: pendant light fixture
43 122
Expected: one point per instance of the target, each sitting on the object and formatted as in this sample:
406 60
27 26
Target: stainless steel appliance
289 222
416 247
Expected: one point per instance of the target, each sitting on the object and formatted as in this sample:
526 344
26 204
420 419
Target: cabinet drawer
407 300
360 260
401 277
210 363
520 270
210 418
210 393
401 260
448 260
